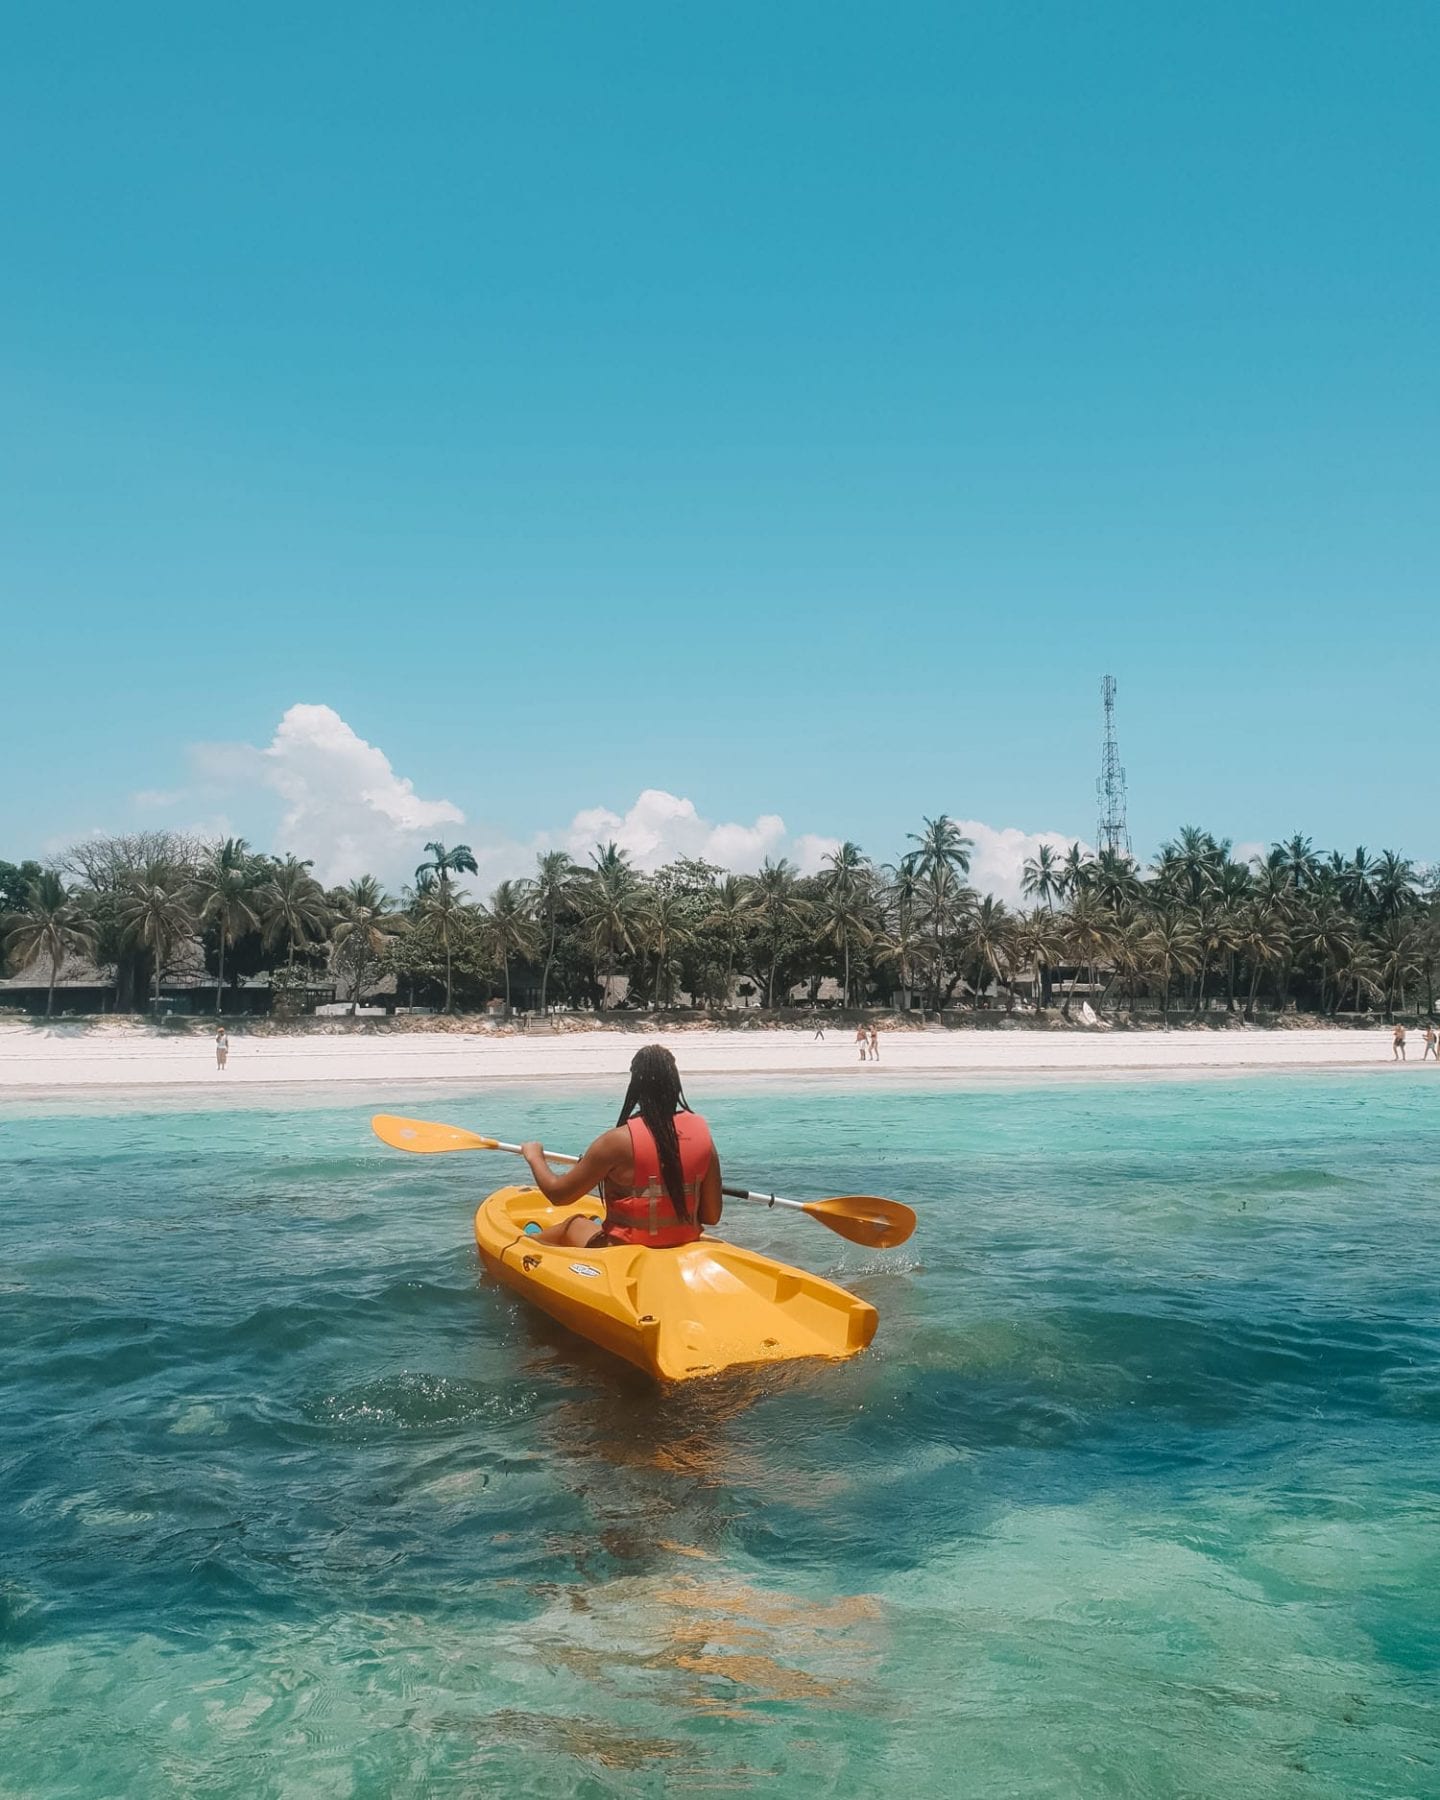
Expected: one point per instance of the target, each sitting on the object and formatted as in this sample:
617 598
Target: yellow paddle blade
865 1219
424 1137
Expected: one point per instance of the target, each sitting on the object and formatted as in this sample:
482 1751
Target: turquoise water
1136 1493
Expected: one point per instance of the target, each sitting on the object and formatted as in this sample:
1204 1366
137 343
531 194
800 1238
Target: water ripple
1135 1494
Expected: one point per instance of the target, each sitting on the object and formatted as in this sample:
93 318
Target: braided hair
655 1093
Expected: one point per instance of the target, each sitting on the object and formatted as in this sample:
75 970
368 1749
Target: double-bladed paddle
863 1218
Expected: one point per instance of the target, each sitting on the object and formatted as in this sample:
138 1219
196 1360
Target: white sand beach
37 1060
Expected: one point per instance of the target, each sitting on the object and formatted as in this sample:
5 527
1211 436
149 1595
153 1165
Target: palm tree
225 891
292 907
1039 940
1274 886
156 913
1042 879
948 906
509 924
903 900
364 924
1075 870
1361 973
1394 885
943 856
1270 878
1327 932
1202 857
991 932
1296 858
942 843
1397 952
609 902
897 946
551 889
444 863
1262 936
844 916
846 910
1113 880
51 924
1355 879
1169 948
777 905
1125 946
1427 938
1211 922
664 926
610 860
730 909
1087 938
1166 885
848 866
1234 888
442 910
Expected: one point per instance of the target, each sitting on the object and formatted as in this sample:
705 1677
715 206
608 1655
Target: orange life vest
646 1214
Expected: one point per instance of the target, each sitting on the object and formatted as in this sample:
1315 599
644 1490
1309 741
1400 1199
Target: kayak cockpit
677 1313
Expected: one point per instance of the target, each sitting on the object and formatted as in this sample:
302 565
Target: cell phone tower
1114 833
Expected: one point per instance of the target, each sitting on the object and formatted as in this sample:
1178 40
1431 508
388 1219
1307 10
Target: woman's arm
597 1162
712 1198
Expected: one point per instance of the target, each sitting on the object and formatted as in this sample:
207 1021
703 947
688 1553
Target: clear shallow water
1136 1493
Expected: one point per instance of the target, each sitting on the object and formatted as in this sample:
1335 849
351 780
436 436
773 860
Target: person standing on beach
819 1037
222 1047
862 1041
1432 1047
874 1044
1397 1045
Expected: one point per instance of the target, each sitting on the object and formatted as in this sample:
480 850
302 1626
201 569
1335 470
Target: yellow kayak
692 1310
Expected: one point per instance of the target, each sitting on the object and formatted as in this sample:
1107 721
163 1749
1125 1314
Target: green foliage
15 881
292 907
226 892
48 927
1294 926
364 923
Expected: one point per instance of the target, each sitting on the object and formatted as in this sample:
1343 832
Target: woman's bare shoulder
610 1142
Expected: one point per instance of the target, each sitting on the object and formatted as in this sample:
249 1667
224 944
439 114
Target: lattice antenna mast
1114 833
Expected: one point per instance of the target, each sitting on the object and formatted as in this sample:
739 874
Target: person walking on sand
862 1041
874 1044
1432 1045
1397 1045
222 1047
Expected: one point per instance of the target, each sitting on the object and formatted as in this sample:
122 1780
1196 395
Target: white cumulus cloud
660 827
336 798
343 805
997 863
809 850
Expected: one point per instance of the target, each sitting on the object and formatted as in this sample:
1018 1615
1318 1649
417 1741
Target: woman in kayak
657 1171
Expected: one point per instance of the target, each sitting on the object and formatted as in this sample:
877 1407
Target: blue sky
791 409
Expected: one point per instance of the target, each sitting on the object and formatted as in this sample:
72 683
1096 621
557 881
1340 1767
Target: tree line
1197 927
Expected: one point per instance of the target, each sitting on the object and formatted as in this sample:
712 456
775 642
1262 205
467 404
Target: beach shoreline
129 1059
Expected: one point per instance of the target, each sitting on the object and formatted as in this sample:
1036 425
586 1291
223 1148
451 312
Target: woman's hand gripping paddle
863 1218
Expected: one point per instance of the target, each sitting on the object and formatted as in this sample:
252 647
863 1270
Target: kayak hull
693 1310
